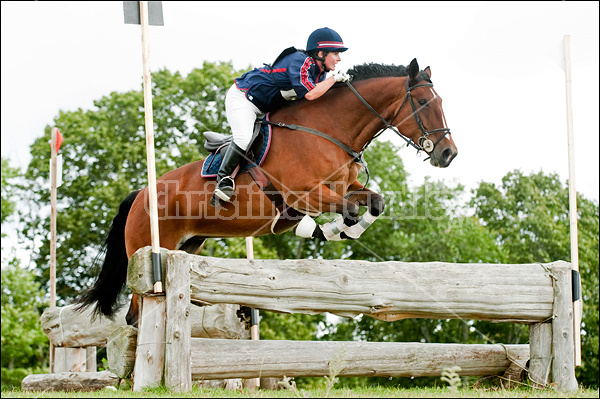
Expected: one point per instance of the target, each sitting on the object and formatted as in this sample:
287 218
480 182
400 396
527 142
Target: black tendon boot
225 185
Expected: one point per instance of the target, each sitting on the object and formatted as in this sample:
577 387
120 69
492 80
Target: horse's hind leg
193 245
133 312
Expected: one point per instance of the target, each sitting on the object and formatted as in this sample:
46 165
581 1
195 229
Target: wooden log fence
76 335
536 294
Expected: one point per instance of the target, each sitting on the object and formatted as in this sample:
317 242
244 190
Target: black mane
372 70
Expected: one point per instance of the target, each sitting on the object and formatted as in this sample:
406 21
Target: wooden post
53 195
150 354
577 305
121 349
540 348
178 374
252 383
563 363
90 359
70 360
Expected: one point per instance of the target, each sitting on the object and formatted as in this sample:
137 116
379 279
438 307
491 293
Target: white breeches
241 115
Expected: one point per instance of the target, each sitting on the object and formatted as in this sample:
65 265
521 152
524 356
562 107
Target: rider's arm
320 88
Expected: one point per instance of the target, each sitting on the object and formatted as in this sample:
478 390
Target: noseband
424 143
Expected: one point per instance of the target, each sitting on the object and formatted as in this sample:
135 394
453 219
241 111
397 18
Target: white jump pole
577 305
53 195
150 149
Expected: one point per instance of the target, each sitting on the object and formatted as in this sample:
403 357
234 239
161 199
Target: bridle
423 143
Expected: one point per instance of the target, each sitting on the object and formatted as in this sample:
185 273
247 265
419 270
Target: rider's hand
341 77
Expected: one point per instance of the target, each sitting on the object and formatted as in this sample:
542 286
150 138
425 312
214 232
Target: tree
24 345
529 215
23 342
8 205
105 158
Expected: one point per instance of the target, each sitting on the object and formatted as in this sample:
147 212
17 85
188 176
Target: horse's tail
113 275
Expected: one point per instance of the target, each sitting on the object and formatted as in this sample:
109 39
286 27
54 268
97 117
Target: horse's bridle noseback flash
423 143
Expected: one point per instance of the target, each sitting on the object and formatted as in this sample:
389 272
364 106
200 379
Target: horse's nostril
447 156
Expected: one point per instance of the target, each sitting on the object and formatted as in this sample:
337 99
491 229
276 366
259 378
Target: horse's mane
372 70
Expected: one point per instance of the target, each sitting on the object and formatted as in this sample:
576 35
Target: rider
295 74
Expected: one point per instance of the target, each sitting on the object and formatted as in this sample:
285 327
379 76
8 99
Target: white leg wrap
332 230
365 221
306 227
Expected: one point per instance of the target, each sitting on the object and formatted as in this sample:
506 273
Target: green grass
370 392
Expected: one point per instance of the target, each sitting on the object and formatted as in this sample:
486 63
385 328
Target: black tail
112 278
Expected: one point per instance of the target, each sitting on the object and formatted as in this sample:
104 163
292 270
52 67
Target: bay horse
314 174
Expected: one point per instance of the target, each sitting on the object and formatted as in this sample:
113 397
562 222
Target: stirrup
225 193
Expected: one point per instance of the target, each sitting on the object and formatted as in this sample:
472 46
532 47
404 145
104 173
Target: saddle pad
212 163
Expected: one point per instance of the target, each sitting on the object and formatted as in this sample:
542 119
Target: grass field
371 392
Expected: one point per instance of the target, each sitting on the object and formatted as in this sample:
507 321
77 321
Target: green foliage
105 158
24 345
8 205
451 376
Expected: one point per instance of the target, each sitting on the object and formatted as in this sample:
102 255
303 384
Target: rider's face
331 60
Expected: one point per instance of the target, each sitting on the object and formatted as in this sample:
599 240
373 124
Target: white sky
497 65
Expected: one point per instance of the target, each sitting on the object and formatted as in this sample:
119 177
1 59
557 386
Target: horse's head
424 120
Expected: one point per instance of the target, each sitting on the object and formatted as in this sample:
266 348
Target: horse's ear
413 69
428 72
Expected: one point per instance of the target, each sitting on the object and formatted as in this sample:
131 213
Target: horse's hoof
344 236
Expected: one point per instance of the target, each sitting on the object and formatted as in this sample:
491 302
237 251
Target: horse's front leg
321 200
339 229
348 225
375 205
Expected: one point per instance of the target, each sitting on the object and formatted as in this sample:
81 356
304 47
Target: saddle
216 144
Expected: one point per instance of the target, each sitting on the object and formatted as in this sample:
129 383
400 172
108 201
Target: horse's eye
423 102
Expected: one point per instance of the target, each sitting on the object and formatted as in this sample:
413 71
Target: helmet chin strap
322 59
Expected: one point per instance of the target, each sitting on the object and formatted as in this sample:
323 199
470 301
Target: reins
424 143
387 124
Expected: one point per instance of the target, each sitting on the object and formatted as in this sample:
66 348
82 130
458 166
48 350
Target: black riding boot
225 185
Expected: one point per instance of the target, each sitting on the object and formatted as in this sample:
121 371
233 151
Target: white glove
341 77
